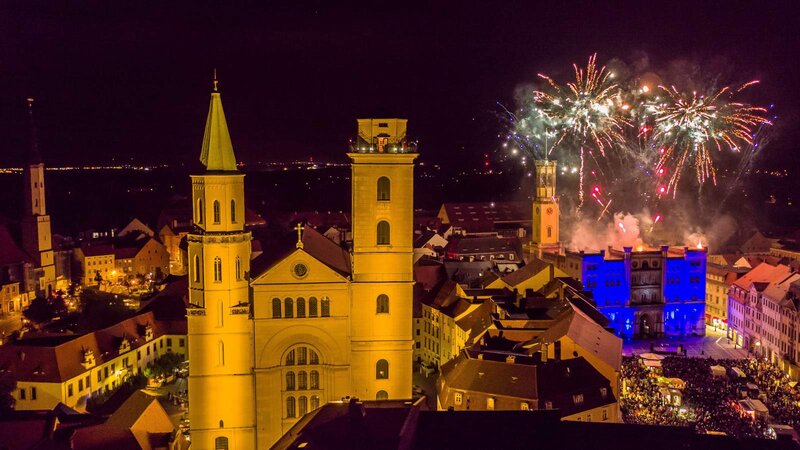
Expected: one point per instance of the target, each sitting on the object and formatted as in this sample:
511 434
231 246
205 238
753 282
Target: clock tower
544 236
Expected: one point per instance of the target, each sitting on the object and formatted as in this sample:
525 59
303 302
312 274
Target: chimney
510 359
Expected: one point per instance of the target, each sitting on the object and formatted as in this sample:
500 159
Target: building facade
323 322
70 369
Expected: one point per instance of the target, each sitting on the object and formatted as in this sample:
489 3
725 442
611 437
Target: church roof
217 153
314 243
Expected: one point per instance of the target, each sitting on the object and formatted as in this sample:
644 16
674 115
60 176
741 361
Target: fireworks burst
588 110
689 127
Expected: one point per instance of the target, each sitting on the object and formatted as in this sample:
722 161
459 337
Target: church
276 337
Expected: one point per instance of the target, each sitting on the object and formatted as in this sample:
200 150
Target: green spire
217 153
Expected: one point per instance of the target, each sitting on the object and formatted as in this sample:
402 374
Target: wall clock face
549 211
300 270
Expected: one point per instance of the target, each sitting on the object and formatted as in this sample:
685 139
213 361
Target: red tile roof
58 359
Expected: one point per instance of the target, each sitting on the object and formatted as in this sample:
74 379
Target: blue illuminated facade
650 293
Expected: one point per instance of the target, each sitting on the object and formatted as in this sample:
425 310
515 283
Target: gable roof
534 267
315 244
10 252
484 216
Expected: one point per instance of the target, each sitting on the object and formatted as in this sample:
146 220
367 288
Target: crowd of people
710 404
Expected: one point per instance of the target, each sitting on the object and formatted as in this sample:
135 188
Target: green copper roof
217 154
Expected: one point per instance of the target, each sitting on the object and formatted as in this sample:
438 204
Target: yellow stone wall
220 336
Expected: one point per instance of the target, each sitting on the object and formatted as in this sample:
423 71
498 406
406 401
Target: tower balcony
361 146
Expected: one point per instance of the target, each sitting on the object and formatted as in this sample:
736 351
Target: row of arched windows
302 380
196 270
292 309
301 356
200 215
300 406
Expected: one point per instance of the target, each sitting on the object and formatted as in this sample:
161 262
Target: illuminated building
719 278
323 322
69 369
96 262
480 380
643 293
36 237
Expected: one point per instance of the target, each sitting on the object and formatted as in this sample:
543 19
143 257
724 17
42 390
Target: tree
7 386
39 311
101 309
164 366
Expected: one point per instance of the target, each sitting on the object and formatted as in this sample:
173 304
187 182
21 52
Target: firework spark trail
690 126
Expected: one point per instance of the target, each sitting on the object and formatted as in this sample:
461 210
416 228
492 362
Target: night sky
116 82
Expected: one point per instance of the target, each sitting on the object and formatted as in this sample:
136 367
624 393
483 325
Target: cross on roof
299 228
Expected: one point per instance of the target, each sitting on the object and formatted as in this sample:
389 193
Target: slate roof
483 217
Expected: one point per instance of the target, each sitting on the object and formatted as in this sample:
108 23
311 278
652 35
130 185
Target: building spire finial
216 81
33 151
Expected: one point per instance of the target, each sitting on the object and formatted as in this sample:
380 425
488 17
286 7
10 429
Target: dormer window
124 346
148 332
88 359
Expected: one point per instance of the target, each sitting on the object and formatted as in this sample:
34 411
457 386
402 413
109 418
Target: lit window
490 403
382 369
458 398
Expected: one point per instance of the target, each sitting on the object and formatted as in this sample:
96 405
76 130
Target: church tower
36 237
544 236
221 392
382 216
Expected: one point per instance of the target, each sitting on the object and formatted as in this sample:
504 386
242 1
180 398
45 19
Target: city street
714 344
10 323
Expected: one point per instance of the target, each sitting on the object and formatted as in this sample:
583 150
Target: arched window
233 211
326 307
382 304
290 358
200 212
220 353
383 232
216 211
238 268
549 231
382 369
302 356
303 406
384 189
288 308
196 275
382 395
301 307
290 408
313 358
221 443
314 379
290 381
302 380
312 307
217 269
314 402
276 308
